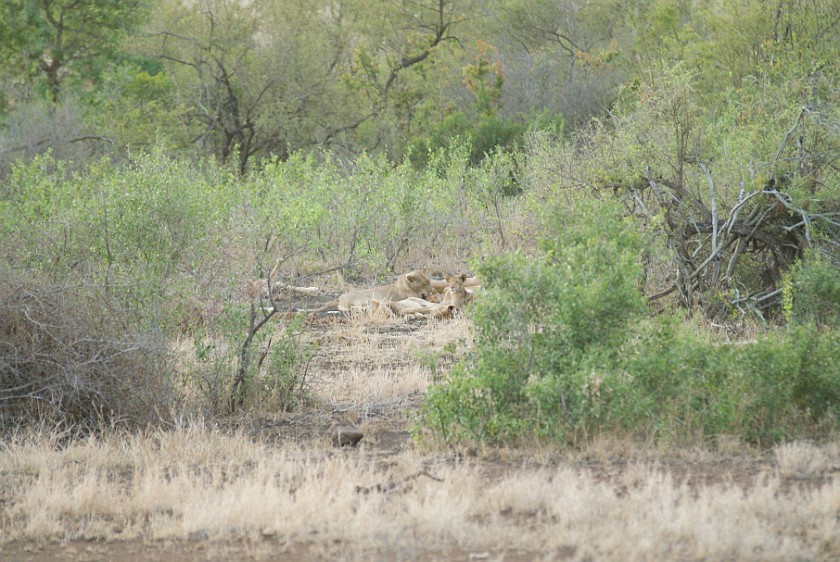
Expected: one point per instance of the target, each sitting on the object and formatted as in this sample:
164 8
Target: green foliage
172 244
129 229
139 108
277 363
483 134
667 382
483 125
208 379
546 327
368 215
260 80
781 386
563 351
53 38
812 291
283 385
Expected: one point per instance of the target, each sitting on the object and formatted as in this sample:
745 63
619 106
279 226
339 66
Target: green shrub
816 382
283 385
811 291
217 346
689 388
564 350
547 327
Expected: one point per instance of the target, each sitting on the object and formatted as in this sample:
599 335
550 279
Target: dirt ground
359 376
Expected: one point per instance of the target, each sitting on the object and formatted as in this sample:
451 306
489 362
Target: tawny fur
412 284
455 296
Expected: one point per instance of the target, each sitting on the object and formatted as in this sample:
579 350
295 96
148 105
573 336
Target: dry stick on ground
394 485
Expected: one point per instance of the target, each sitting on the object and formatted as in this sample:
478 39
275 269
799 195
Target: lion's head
455 293
416 282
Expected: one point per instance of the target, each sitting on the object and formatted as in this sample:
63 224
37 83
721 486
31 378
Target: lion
456 291
413 284
440 285
414 306
455 296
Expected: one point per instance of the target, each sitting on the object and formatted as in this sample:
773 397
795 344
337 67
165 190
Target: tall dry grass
193 483
369 360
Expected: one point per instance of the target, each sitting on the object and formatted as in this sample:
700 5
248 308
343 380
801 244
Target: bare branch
787 138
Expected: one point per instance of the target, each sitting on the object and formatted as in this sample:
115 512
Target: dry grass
369 361
805 460
611 501
195 483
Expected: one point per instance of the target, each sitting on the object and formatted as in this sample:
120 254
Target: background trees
53 53
53 41
267 78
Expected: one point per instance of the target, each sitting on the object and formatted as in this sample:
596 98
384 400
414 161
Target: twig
237 395
787 138
661 294
56 140
394 485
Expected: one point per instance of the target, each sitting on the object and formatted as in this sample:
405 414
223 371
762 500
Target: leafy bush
812 291
274 363
283 385
564 350
783 385
548 327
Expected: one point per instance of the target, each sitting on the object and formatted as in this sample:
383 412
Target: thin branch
42 142
787 138
661 294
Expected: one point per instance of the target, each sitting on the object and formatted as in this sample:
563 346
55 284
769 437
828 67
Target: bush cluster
565 349
159 250
170 247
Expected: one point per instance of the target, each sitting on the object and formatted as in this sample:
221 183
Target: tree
57 38
264 78
251 75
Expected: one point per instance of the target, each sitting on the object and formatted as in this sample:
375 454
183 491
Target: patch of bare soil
264 549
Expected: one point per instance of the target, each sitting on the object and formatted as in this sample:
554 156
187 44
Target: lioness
440 285
455 296
412 284
415 306
456 292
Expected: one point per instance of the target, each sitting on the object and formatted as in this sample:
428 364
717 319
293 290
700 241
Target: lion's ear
463 277
447 277
411 276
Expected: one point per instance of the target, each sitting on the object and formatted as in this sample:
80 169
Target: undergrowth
565 349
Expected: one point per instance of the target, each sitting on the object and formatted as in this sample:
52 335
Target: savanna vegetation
648 190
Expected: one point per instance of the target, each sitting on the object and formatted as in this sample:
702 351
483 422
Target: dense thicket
600 163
